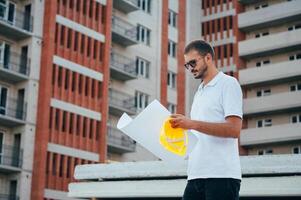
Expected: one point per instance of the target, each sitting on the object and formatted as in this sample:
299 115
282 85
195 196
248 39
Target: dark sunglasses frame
192 63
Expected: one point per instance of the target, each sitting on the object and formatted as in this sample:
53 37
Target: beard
201 73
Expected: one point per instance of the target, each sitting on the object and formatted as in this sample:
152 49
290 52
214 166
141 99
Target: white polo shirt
215 157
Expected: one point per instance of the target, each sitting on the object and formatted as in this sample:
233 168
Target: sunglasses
191 64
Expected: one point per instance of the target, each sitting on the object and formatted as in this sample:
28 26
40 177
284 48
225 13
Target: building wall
31 39
155 86
281 86
274 88
284 57
280 148
277 119
193 33
72 107
219 27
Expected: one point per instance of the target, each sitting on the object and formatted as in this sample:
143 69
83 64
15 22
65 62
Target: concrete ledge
263 176
250 187
57 194
251 165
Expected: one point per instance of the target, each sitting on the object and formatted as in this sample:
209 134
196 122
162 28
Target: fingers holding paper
180 121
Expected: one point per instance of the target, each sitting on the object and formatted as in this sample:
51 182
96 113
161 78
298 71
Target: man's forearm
225 129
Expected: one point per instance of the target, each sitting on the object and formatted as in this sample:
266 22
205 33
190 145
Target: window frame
145 72
141 100
147 6
298 118
172 18
7 9
172 108
143 35
171 80
172 49
264 123
299 149
263 92
5 107
297 87
262 152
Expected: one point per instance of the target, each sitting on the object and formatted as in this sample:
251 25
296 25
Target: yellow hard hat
173 139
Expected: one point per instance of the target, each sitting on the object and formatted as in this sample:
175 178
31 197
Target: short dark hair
200 46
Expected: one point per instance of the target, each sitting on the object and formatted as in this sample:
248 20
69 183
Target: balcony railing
246 2
18 26
20 19
122 68
270 45
121 102
9 197
274 103
14 113
123 32
15 68
120 142
272 73
272 15
11 156
126 6
273 134
134 2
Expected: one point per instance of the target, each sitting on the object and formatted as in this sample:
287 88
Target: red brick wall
41 137
164 54
181 26
105 87
180 57
52 170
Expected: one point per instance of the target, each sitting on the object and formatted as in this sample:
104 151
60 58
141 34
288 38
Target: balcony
10 159
123 33
9 197
275 103
15 68
273 134
273 15
246 2
14 23
272 73
122 68
126 6
118 142
120 102
270 45
13 114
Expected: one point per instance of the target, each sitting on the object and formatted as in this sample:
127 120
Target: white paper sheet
145 129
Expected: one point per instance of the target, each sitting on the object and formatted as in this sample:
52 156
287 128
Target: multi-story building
68 70
20 49
73 96
256 42
148 39
271 78
219 27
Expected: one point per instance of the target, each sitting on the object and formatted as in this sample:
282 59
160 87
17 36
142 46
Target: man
214 171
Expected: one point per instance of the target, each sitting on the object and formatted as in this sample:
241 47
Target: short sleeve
232 98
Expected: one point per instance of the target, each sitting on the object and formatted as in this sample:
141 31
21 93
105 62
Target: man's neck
212 72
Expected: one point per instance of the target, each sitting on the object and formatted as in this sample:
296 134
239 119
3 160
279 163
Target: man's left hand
180 121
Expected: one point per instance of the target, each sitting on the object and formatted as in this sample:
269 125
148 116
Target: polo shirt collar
213 81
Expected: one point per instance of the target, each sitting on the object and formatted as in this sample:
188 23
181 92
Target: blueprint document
145 129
